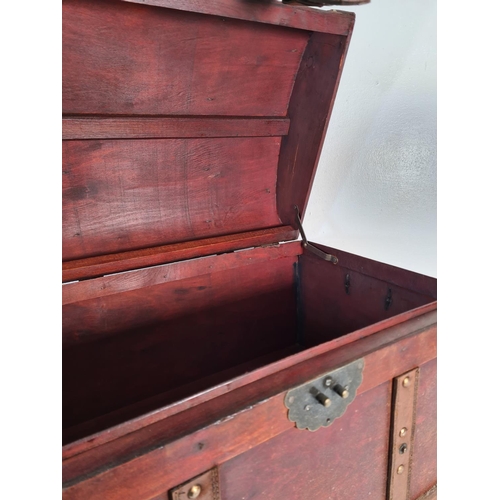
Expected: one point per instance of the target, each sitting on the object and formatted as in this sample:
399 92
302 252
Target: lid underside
188 131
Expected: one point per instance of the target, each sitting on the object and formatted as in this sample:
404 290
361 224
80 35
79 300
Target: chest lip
418 319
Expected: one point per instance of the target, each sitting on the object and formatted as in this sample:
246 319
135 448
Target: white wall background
375 188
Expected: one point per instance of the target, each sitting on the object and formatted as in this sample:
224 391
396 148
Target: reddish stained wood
166 466
387 331
138 59
172 396
125 261
141 308
270 11
424 467
416 282
126 195
124 348
170 127
344 461
175 271
310 107
328 311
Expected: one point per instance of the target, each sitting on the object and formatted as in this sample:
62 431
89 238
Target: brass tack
401 469
406 382
194 491
403 432
341 391
324 400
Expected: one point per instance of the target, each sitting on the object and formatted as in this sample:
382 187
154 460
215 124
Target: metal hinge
307 246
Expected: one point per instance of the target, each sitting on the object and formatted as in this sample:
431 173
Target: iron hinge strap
307 246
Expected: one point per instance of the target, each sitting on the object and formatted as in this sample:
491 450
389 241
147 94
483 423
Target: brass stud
401 469
341 391
406 382
324 400
403 432
194 491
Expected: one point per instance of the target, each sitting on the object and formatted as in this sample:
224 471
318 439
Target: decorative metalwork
319 402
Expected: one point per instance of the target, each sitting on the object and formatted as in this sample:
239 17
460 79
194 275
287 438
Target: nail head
194 491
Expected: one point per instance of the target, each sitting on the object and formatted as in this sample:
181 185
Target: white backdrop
375 188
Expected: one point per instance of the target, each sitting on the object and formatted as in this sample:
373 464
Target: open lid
190 128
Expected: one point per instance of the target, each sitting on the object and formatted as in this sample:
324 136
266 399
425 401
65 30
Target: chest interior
188 139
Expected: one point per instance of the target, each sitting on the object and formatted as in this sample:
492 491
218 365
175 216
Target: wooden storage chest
207 353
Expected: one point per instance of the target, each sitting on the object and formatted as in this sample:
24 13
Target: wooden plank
270 11
394 328
424 467
419 283
166 465
124 261
180 393
125 348
344 461
175 271
329 311
310 108
127 195
142 60
170 127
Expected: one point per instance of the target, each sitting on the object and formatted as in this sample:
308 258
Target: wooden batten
171 127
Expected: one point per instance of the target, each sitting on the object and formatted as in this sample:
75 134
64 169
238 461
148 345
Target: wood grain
143 60
329 312
127 195
170 127
310 107
167 465
124 348
175 271
268 12
392 275
180 393
124 261
192 129
424 468
284 373
344 461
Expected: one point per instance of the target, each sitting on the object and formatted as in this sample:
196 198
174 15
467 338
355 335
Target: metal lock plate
319 402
